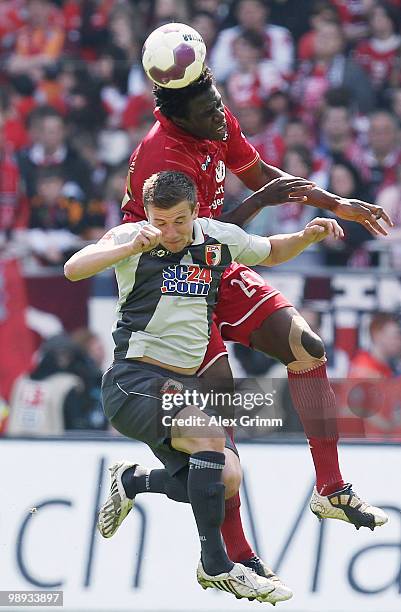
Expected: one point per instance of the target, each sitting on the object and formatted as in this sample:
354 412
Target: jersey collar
198 234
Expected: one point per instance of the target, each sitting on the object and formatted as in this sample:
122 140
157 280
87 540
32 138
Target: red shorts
245 301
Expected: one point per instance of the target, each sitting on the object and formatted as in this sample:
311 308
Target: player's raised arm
105 253
280 190
273 186
287 246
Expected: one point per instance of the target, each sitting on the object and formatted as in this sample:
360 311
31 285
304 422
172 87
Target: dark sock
206 494
145 483
157 481
176 487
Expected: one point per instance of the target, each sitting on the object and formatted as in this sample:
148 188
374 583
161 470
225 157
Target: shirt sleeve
121 235
255 249
241 155
124 233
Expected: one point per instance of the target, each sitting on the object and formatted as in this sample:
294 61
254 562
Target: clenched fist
320 228
146 239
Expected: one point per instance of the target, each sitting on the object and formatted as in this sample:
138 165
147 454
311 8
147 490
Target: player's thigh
272 337
133 401
216 376
218 380
286 336
193 431
219 374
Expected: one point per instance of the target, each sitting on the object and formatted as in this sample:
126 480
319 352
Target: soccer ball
173 55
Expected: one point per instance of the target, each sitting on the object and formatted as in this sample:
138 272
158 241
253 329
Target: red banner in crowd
16 342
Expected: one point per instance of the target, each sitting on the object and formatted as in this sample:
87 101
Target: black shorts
132 394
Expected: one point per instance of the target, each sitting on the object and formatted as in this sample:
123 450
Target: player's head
197 108
47 128
252 14
170 202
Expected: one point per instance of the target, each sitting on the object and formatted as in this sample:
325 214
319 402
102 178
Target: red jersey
378 59
14 210
364 361
168 147
351 11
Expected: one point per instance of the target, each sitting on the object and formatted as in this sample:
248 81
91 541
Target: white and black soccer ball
173 56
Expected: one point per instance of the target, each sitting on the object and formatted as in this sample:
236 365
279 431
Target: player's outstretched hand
286 189
146 239
320 228
363 213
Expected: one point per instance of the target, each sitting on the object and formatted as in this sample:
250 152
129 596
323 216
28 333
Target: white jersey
166 300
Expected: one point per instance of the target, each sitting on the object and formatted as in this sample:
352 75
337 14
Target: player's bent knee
215 444
306 346
232 473
313 344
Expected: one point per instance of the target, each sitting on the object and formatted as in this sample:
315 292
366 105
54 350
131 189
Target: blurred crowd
62 392
315 84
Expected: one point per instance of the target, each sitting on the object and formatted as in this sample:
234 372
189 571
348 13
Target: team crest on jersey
182 279
171 386
213 254
220 172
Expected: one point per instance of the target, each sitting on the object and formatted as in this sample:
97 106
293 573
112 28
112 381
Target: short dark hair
252 38
167 188
174 102
391 12
321 6
43 112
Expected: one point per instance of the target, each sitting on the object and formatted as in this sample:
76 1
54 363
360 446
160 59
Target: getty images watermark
225 405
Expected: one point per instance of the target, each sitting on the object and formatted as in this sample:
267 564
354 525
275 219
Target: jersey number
246 278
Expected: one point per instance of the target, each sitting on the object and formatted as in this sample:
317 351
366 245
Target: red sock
238 547
325 459
315 403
